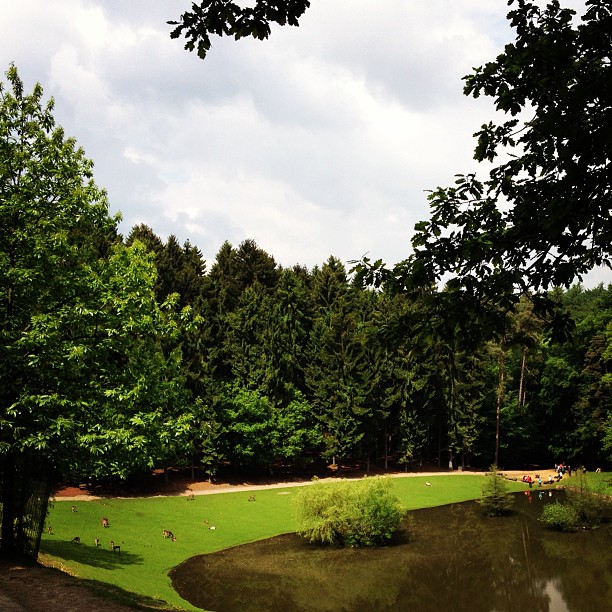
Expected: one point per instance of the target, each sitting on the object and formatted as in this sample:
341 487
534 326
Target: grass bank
136 525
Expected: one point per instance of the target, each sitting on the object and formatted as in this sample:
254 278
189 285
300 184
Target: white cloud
320 141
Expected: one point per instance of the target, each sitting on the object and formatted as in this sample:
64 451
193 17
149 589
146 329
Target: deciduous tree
84 384
542 215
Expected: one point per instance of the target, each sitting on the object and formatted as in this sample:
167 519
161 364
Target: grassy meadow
140 571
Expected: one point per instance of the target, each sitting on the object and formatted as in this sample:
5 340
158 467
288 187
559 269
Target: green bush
495 496
590 506
349 513
562 517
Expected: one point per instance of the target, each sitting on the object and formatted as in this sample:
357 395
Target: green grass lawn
142 566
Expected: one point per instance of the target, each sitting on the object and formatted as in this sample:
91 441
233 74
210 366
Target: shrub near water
562 517
584 508
590 505
349 513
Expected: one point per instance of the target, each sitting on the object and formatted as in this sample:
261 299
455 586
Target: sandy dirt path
207 488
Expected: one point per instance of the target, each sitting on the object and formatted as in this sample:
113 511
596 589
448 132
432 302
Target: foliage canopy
226 18
542 216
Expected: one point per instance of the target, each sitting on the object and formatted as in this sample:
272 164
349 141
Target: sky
321 141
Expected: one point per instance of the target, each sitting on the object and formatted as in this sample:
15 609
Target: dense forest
289 366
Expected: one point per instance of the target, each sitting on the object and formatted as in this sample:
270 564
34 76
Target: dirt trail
206 488
34 588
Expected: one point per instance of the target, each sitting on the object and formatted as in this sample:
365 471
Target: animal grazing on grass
251 498
73 508
191 497
105 522
76 540
167 534
114 547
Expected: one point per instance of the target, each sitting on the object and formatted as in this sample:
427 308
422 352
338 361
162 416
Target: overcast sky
322 140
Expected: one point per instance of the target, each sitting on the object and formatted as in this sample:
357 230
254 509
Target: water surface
455 559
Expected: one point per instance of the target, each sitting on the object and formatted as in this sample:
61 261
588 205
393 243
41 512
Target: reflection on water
455 559
555 595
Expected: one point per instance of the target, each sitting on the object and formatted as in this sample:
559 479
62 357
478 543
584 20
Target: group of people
529 480
560 471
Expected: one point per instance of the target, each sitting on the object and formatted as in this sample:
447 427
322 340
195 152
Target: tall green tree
248 325
148 237
288 334
336 370
588 352
111 357
249 424
181 269
233 271
84 384
53 221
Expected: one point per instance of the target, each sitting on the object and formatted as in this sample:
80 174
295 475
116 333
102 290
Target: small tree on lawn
349 513
495 497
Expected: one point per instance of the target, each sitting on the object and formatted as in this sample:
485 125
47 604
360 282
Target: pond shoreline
453 558
19 579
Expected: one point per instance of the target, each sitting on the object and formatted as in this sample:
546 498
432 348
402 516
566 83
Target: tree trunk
439 441
521 395
386 449
7 545
500 388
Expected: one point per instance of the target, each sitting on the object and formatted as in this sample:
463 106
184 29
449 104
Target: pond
455 559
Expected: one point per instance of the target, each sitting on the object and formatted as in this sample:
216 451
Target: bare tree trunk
500 389
386 449
521 395
439 441
9 510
